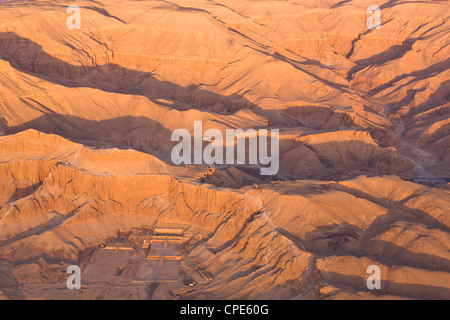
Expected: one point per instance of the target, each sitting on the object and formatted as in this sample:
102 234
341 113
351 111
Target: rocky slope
86 118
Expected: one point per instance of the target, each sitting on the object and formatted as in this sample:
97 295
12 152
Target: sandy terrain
86 117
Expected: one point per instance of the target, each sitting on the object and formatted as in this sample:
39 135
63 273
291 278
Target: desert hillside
87 117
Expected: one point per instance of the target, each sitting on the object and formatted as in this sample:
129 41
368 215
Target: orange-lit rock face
87 115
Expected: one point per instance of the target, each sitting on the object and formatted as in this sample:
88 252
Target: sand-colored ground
86 118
